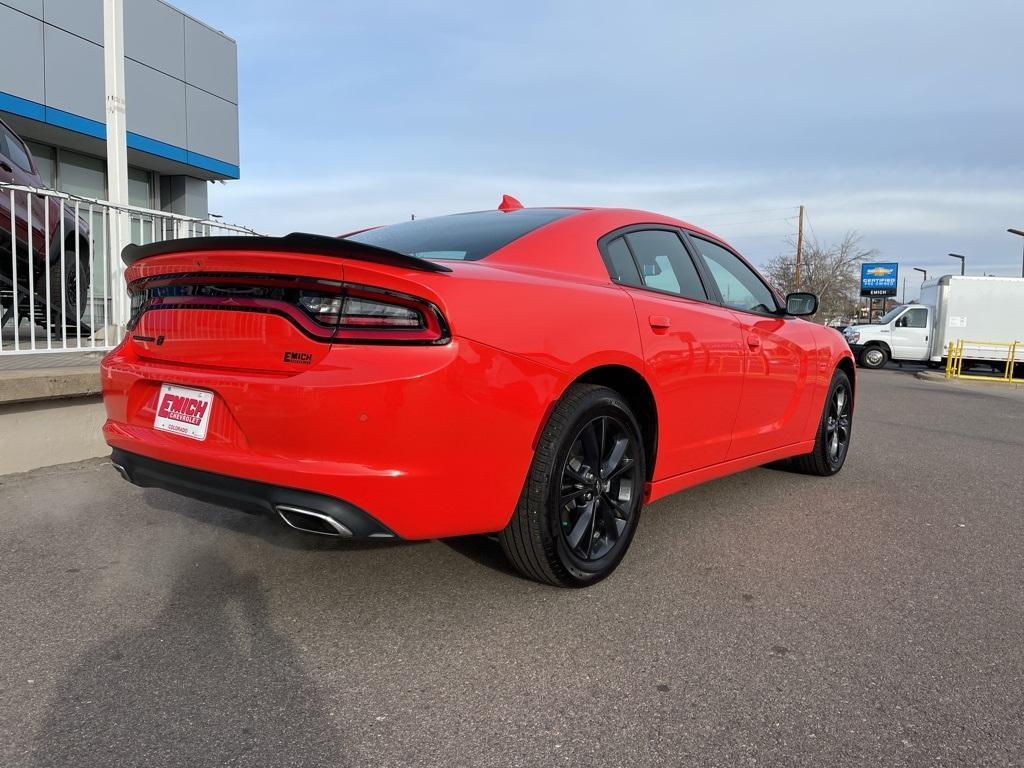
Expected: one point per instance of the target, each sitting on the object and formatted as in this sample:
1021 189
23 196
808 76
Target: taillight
362 313
324 309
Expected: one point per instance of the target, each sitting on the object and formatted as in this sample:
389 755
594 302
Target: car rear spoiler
296 242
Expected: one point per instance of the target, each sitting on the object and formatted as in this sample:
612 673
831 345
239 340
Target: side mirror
801 304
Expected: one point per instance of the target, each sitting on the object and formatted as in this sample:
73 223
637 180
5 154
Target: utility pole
799 246
904 299
117 157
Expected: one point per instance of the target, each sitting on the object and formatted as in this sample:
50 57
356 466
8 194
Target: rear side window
739 286
462 236
665 264
13 148
620 263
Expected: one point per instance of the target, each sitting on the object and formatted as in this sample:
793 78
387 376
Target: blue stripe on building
16 105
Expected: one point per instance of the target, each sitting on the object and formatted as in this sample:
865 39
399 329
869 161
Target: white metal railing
62 286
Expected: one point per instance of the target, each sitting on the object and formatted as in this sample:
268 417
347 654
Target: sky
901 120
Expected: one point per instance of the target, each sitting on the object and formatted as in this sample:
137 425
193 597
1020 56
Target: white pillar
117 155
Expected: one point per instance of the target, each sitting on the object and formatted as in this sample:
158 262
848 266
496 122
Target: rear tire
835 428
581 502
874 357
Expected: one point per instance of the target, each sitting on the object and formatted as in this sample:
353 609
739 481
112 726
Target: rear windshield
464 236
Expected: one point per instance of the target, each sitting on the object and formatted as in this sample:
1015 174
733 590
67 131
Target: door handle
753 341
6 167
660 322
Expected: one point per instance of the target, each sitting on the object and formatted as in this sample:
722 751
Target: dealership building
181 99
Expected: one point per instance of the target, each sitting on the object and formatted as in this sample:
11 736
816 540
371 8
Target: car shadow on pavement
482 550
479 549
209 681
264 527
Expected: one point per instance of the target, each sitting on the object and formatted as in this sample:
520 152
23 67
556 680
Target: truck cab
902 333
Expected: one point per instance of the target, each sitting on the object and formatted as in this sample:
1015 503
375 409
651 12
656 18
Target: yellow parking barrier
955 355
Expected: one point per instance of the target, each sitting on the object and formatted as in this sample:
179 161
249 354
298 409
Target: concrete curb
936 376
23 386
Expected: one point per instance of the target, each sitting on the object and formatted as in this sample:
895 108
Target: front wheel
580 505
832 440
874 357
69 293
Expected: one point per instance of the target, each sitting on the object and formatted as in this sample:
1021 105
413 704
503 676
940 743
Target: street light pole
923 272
963 262
1013 231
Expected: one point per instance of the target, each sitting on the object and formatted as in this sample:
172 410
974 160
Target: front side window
914 318
738 284
664 263
15 150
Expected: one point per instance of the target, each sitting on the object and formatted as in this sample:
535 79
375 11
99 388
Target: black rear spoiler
296 242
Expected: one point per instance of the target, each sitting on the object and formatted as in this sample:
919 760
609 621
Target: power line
813 233
782 237
753 210
754 221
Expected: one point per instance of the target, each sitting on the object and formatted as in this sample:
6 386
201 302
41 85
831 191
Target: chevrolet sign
878 279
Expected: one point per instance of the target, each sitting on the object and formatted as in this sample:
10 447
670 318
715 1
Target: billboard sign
878 280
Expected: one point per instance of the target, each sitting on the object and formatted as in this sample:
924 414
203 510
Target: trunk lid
274 305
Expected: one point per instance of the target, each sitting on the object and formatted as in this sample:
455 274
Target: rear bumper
431 441
249 495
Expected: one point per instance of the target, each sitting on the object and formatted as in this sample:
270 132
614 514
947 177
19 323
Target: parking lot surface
765 619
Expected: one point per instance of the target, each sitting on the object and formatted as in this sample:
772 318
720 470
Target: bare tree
831 271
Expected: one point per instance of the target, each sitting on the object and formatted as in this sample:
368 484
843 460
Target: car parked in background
42 251
539 373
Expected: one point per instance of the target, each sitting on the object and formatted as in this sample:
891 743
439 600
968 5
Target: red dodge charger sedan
539 373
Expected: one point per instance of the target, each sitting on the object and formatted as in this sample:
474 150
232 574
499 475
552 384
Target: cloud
755 212
877 116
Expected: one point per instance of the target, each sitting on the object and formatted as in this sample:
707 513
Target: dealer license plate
183 411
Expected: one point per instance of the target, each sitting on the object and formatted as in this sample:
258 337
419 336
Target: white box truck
954 307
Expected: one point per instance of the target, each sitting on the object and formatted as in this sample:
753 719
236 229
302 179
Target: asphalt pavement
871 619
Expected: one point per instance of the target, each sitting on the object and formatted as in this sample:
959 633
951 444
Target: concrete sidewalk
50 410
984 382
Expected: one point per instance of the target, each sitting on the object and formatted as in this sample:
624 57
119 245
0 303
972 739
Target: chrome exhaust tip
308 521
122 471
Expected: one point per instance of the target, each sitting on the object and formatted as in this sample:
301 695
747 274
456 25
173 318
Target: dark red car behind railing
59 245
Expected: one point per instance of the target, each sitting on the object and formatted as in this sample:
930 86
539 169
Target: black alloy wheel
837 424
599 486
835 430
581 502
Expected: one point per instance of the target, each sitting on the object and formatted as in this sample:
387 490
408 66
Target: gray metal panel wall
164 51
74 74
156 104
81 17
212 125
33 7
181 77
211 61
23 42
